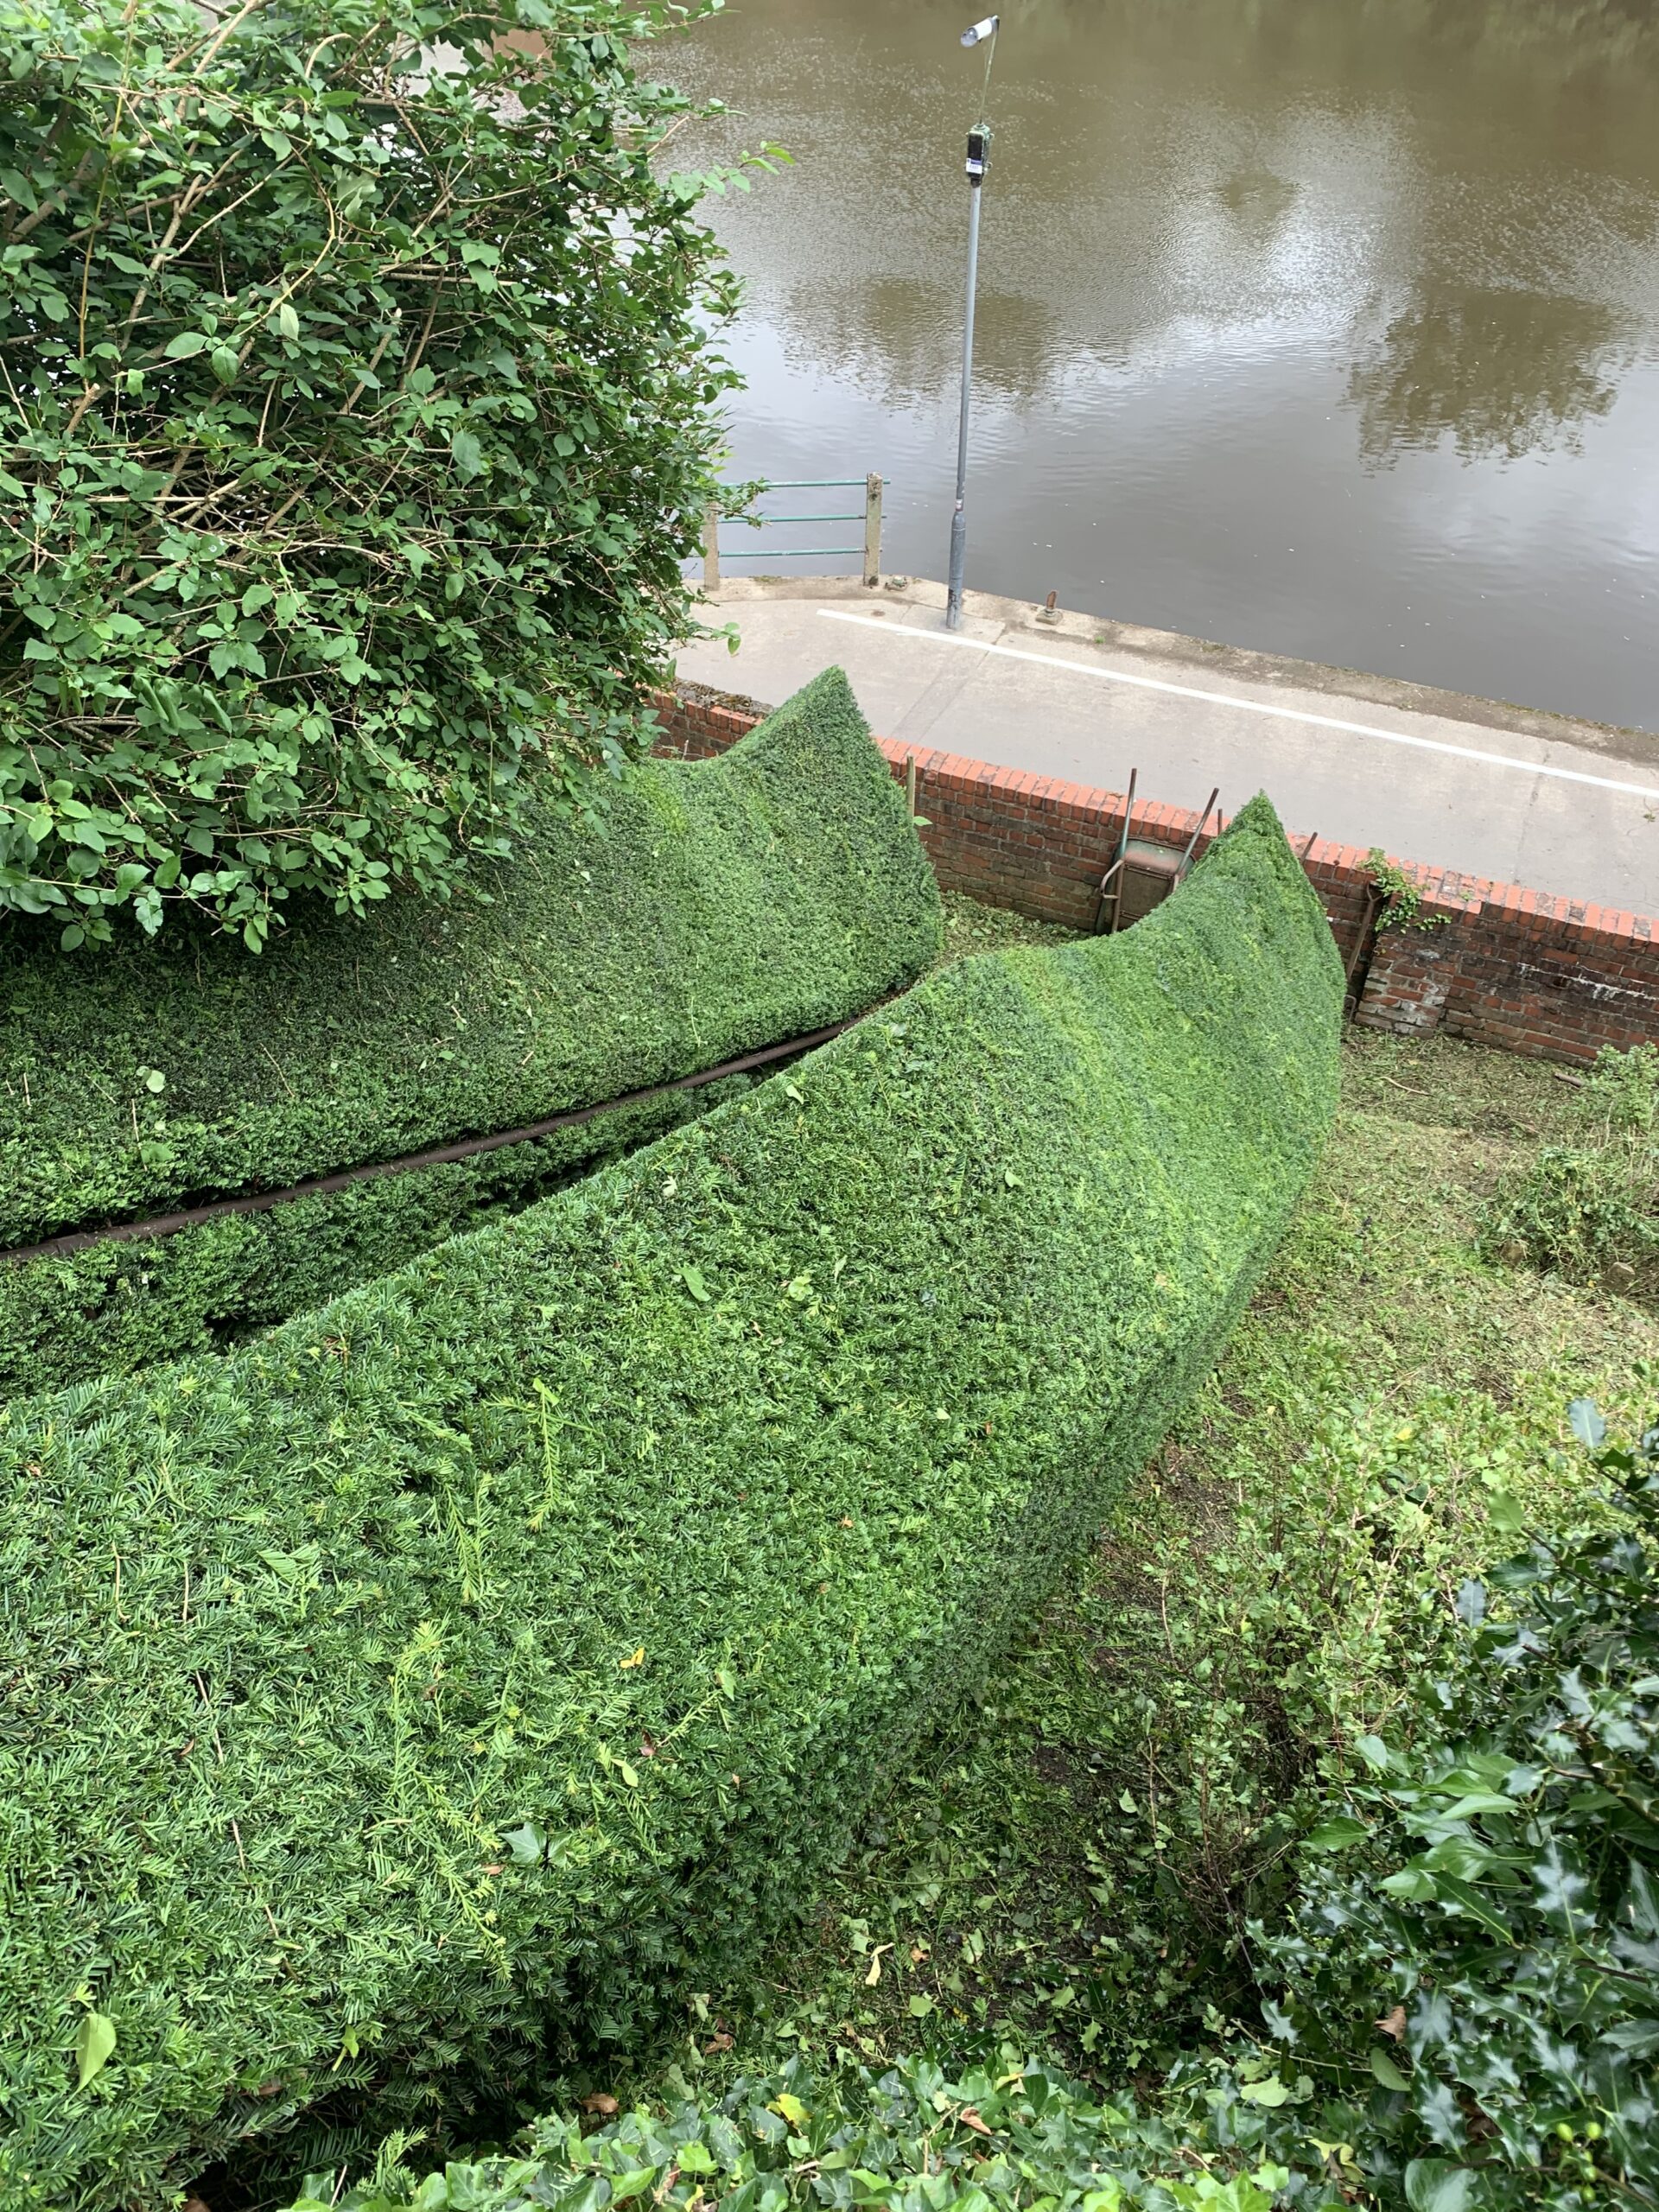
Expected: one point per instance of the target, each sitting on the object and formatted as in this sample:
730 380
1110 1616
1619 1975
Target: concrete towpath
1526 797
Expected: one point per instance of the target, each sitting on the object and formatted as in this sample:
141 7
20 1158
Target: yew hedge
459 1667
711 909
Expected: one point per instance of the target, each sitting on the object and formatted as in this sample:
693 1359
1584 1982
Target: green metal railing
868 554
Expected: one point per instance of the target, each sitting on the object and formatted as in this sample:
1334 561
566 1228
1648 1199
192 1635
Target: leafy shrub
1019 2137
496 1644
713 909
358 397
1487 1980
1590 1210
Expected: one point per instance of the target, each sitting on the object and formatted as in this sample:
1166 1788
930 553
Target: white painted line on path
1245 706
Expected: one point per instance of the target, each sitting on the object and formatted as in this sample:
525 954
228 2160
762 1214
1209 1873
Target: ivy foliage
1016 2137
712 909
556 1603
356 416
1476 1961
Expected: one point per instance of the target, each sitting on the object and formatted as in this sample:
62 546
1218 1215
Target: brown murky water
1325 327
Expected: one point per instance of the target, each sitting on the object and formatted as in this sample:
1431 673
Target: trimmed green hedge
713 909
464 1663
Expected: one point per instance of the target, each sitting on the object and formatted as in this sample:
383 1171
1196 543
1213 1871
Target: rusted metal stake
1117 863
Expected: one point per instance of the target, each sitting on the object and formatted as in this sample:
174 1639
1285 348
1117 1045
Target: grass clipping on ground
495 1649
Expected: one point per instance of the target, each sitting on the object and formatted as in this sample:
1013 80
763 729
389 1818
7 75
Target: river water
1325 327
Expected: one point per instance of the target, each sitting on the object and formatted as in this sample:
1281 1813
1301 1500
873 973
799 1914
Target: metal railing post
872 530
958 515
710 549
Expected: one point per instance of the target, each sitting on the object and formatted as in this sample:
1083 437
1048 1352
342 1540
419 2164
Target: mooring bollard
872 530
710 549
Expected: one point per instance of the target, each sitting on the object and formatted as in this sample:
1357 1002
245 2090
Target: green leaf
467 454
226 365
1339 1834
1437 2185
1586 1423
525 1843
1452 1890
1272 2093
1475 1802
287 321
182 348
692 1277
1387 2072
93 2046
1414 1884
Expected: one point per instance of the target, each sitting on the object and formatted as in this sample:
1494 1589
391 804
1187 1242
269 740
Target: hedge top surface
712 908
478 1651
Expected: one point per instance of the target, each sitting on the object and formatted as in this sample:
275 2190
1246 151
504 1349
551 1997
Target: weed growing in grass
1589 1209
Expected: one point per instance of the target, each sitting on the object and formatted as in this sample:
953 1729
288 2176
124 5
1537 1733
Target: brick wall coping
1498 963
1443 891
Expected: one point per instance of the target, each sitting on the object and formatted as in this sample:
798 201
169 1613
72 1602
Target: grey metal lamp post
979 161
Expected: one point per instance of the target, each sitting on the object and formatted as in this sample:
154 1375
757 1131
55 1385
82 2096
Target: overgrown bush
445 1677
1590 1210
712 909
356 415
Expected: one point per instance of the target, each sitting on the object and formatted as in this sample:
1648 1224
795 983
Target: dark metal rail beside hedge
439 1155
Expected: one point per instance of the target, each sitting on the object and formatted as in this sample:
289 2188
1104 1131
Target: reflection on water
1492 374
1329 326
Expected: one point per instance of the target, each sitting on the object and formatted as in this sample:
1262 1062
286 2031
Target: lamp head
984 30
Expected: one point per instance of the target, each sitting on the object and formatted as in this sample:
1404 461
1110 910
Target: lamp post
979 161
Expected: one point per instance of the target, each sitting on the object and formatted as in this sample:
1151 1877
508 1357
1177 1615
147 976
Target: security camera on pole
979 161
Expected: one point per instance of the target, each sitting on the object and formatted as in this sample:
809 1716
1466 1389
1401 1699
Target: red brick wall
1497 964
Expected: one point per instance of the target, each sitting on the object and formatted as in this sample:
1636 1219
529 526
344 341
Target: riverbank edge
1233 663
